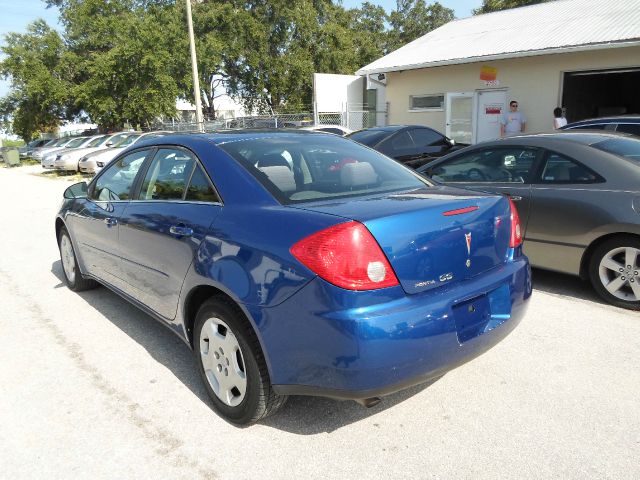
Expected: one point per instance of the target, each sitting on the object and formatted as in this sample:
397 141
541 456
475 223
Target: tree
37 65
123 57
414 18
496 5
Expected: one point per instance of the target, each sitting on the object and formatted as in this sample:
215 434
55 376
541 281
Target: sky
15 15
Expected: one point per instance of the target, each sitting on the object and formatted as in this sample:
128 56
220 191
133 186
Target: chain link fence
355 117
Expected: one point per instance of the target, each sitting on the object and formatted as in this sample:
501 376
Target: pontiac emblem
467 237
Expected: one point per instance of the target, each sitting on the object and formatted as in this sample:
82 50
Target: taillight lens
516 229
346 255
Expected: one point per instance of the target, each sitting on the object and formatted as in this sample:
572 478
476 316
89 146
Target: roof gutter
502 56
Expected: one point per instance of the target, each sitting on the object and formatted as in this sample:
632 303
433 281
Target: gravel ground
93 388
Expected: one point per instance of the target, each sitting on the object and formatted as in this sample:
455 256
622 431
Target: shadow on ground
565 285
300 415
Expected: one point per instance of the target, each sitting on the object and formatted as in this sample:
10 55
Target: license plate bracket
472 317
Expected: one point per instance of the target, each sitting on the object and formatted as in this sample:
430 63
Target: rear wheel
74 279
231 364
614 271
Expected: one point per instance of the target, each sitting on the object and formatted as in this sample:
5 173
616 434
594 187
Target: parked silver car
93 162
578 195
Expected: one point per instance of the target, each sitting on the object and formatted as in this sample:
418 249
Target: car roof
612 119
583 137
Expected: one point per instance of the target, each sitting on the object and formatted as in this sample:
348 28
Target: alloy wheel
619 273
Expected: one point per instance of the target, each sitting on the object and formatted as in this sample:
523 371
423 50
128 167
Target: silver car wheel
619 273
68 258
223 362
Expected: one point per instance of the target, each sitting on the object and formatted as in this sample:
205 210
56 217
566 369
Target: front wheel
614 271
231 364
73 278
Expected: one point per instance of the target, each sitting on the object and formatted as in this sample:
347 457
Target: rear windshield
368 137
625 147
314 167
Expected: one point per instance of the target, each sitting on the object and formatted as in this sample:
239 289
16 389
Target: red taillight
346 255
516 229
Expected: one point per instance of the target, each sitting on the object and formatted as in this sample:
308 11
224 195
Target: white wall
332 92
535 82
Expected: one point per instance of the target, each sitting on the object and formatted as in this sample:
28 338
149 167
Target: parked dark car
413 145
295 263
578 195
27 150
626 124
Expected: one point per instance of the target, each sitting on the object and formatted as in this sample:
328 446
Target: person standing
513 122
558 118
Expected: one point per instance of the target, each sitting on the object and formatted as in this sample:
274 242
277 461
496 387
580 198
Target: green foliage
36 65
496 5
413 19
126 61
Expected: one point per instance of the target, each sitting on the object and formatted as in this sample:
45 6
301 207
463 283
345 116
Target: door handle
181 231
110 221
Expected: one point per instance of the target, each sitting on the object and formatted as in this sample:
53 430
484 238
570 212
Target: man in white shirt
513 122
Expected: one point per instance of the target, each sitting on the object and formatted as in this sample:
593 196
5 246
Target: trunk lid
432 237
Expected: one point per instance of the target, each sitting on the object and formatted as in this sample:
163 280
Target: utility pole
194 67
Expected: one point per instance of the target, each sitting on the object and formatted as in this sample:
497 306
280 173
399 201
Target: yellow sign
488 74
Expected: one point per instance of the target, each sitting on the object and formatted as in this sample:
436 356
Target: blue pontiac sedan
298 263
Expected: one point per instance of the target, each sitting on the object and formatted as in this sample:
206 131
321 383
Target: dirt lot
93 388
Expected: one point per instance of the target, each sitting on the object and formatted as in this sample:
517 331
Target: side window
397 144
423 137
167 176
561 169
200 189
500 165
116 181
633 128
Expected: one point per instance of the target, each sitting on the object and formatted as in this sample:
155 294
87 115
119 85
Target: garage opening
600 93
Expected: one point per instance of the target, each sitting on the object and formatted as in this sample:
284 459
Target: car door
504 170
565 208
95 225
162 227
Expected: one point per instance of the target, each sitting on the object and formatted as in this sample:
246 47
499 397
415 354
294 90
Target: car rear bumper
326 341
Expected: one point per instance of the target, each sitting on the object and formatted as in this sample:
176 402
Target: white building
583 55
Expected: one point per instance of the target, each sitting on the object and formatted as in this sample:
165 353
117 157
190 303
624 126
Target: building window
426 102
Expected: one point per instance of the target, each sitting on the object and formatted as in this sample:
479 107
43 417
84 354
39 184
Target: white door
491 105
460 117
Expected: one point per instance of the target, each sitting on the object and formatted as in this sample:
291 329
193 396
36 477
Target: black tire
259 400
78 283
605 250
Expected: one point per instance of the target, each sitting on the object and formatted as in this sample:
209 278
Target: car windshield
95 142
115 139
75 143
368 137
314 167
125 142
625 147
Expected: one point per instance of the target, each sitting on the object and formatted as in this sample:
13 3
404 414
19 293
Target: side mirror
108 144
77 190
451 141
